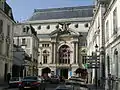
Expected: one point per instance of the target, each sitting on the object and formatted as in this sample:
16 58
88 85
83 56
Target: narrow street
48 87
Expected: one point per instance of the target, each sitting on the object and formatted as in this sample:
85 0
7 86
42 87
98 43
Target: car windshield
33 78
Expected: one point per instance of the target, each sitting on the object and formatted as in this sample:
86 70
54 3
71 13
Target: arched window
108 64
64 55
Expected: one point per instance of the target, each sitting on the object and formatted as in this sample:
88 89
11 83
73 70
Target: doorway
64 73
5 71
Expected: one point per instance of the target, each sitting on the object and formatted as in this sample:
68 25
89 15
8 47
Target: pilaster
77 52
74 53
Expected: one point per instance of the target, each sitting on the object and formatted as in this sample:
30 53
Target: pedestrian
8 77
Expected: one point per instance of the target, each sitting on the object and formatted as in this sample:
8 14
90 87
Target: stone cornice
87 19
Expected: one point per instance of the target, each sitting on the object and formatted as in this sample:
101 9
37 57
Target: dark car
32 82
15 82
55 79
62 79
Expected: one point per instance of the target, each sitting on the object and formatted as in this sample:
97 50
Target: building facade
95 38
25 36
6 40
112 44
62 38
107 39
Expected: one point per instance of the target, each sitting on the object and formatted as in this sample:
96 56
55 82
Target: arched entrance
82 72
45 71
64 58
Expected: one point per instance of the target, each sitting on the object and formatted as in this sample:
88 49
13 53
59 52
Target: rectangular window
7 49
8 30
45 59
23 41
83 59
1 26
1 44
115 21
107 31
45 45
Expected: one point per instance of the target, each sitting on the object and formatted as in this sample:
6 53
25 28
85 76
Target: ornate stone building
62 38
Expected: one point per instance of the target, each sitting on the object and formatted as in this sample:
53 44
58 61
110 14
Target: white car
14 82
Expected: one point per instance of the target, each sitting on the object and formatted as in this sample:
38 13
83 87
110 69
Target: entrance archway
82 72
64 73
45 71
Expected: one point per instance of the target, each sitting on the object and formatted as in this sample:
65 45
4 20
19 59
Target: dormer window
24 29
27 28
76 25
39 27
9 13
48 27
2 5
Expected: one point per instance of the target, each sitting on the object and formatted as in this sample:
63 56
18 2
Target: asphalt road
48 87
52 87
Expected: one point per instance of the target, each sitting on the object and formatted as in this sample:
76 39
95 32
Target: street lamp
96 47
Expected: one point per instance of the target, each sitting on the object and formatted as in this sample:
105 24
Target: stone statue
65 26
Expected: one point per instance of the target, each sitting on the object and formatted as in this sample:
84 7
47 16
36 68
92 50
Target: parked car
15 82
55 79
32 82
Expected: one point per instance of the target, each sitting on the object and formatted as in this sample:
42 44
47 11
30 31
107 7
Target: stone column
74 53
77 52
52 53
55 53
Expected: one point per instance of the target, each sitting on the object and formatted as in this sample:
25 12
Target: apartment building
6 40
25 36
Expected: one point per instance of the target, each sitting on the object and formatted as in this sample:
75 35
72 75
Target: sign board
70 72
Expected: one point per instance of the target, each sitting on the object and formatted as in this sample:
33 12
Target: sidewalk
3 86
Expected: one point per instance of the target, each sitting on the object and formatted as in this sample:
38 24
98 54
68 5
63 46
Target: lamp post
96 47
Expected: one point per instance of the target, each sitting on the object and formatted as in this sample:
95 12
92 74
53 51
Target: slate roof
62 13
7 8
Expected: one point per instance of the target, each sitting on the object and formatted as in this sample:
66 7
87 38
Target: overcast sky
23 9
